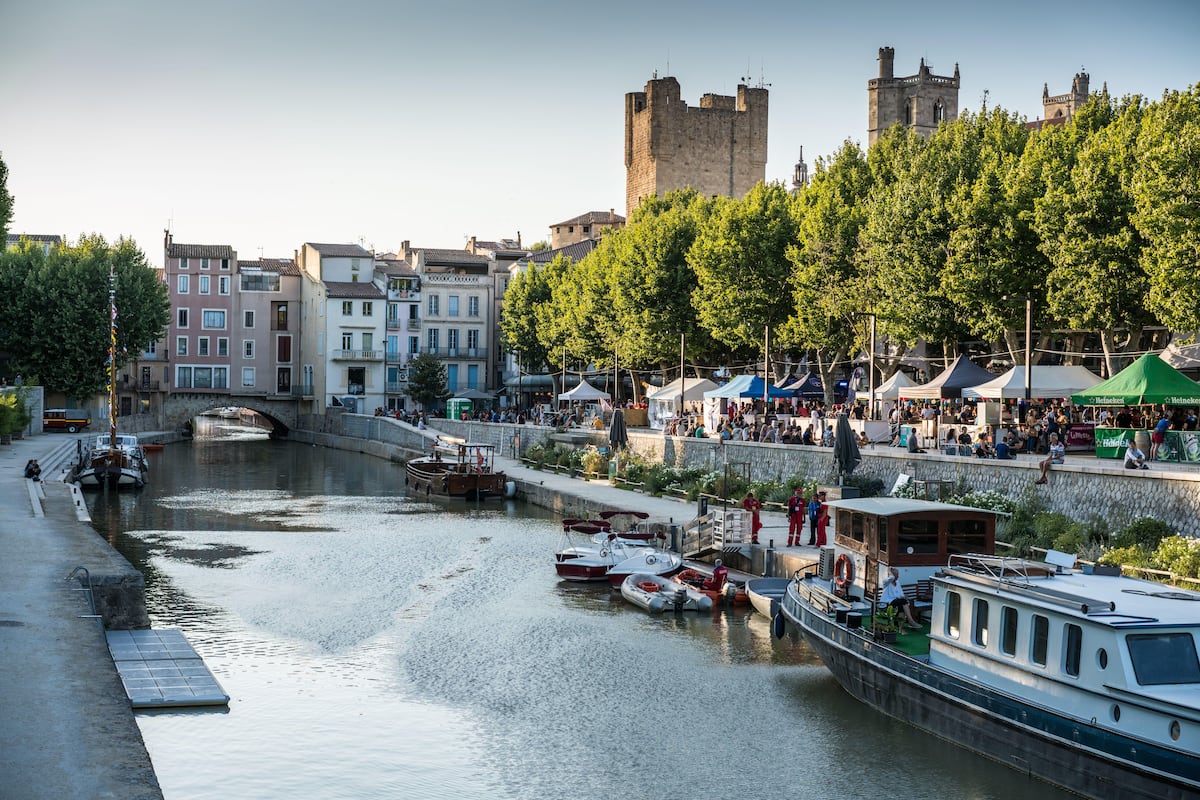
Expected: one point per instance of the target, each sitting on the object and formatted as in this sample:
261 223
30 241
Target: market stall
664 402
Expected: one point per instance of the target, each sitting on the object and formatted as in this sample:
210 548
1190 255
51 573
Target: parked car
70 420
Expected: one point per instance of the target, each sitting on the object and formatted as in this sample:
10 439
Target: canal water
377 646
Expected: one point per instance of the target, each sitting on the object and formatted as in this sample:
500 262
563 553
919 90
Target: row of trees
941 240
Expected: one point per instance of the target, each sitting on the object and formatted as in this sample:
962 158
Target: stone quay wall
1082 488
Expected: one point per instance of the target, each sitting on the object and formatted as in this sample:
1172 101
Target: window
431 340
202 345
204 263
224 263
452 340
181 318
953 612
183 263
202 377
1039 640
414 345
368 308
472 306
1163 658
247 376
222 347
223 284
939 112
248 319
247 348
368 341
966 536
356 380
347 341
183 284
281 317
283 349
918 537
213 319
979 623
1008 631
203 284
857 527
472 340
151 348
433 305
283 379
183 377
1072 648
347 308
260 282
181 345
452 306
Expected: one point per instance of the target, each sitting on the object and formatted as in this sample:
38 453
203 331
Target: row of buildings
337 323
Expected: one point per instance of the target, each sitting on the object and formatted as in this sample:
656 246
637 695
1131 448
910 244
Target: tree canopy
55 321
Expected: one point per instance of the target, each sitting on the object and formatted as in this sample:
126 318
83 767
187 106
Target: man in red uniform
795 515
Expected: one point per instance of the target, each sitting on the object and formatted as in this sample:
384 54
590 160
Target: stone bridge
180 408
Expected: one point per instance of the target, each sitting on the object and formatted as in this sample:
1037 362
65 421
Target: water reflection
381 646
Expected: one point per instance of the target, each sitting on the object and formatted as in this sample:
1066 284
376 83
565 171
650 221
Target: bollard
769 560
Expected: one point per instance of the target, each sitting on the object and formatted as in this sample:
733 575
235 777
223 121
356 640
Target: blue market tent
747 387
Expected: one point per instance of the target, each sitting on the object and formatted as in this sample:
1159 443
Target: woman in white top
893 595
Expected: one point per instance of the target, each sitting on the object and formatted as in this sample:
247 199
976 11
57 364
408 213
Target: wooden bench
919 596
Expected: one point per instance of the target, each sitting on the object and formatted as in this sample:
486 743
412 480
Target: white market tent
889 389
584 393
662 401
1047 382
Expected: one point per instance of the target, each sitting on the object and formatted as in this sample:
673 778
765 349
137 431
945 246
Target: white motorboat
655 593
606 555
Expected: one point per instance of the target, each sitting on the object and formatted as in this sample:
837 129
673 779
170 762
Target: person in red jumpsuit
753 505
795 514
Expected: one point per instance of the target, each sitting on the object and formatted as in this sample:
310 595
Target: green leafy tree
827 285
651 282
1097 281
1166 189
6 200
427 380
56 323
743 275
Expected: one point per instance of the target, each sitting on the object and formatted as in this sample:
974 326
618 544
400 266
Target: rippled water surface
377 646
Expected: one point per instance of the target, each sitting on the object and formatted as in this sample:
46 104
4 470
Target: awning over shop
1147 380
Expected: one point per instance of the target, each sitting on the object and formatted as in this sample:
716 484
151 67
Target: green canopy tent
1147 380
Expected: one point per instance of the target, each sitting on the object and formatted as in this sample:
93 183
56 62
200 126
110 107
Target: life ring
843 571
648 586
651 559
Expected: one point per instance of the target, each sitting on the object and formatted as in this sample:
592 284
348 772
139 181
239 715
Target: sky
264 125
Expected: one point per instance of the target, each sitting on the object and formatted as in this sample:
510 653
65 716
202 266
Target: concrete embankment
67 730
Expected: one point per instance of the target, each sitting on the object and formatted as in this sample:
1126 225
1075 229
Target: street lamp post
1028 350
682 374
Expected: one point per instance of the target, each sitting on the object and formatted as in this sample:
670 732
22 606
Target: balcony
356 355
300 390
396 387
469 353
414 324
393 356
394 323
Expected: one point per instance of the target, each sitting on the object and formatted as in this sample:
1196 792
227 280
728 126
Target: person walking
795 515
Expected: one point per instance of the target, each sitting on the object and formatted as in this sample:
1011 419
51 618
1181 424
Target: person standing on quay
814 508
795 515
753 505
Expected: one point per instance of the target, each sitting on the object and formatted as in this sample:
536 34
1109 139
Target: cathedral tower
921 101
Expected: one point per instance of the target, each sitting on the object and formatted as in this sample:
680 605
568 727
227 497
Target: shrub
1179 555
1145 531
1134 555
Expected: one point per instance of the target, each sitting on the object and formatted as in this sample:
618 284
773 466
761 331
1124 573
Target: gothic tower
1065 105
921 101
800 174
717 148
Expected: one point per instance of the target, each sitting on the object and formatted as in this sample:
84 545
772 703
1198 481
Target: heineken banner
1177 446
1110 442
1180 446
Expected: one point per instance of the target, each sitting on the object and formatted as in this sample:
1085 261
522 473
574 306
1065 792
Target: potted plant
887 624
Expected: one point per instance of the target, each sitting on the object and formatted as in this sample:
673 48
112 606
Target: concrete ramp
161 670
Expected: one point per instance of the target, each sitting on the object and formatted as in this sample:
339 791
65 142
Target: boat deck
161 670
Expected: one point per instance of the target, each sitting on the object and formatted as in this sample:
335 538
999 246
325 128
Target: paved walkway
66 727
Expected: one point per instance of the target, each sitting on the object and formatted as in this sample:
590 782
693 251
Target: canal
377 646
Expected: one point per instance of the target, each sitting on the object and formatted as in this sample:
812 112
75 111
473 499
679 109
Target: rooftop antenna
260 252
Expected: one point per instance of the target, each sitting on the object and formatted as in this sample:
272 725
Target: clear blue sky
268 124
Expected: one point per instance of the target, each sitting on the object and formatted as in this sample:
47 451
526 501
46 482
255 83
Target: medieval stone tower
1065 105
920 101
718 148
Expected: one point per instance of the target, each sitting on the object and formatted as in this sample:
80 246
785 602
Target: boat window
953 610
1163 658
979 629
918 536
1039 639
881 533
1074 642
858 524
966 536
1008 631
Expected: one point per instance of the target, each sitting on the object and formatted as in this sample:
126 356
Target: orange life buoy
843 571
648 586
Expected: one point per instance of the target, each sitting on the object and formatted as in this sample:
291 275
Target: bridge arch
180 408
